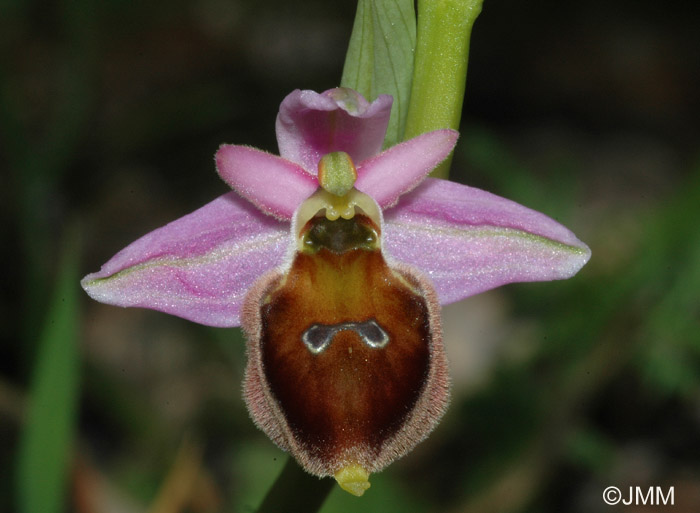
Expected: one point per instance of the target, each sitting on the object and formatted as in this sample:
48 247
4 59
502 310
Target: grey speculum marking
319 336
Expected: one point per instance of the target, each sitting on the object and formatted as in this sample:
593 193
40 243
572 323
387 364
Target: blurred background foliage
110 113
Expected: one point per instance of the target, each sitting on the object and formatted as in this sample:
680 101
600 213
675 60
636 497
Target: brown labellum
345 358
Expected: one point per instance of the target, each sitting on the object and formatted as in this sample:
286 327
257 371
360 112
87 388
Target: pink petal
274 185
467 240
310 124
402 167
198 267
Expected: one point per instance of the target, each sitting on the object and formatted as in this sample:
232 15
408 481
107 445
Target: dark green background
110 114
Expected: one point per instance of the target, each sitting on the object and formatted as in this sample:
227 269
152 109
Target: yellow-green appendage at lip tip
353 479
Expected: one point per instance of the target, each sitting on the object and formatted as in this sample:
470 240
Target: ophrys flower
335 261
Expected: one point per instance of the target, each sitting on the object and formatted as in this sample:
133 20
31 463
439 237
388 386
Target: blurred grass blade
380 57
46 442
296 491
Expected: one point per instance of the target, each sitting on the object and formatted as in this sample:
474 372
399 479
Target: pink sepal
402 167
310 125
198 267
274 185
467 240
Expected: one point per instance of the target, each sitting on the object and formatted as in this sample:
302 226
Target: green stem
295 491
440 67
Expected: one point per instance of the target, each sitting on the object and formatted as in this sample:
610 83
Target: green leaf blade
45 447
380 57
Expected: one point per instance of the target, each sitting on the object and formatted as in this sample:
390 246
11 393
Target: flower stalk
440 68
295 491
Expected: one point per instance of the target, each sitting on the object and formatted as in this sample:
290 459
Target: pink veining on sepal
401 168
274 185
198 267
467 240
310 125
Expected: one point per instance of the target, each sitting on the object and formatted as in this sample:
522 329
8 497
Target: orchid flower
335 257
